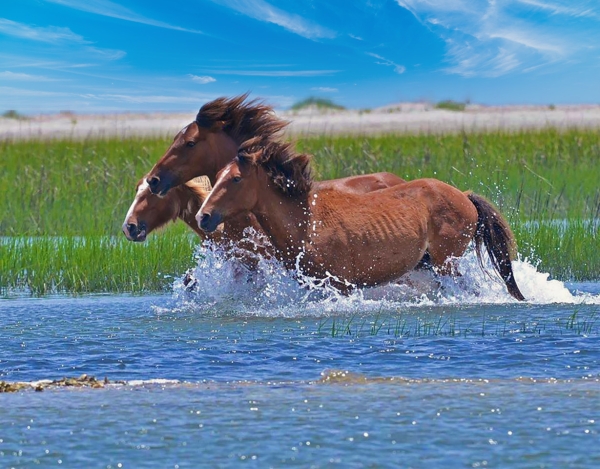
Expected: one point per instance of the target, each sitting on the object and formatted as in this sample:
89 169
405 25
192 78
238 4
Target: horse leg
424 263
448 268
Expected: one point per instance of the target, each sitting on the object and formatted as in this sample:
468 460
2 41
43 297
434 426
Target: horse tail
495 234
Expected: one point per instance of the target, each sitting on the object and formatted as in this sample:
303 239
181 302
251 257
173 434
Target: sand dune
397 118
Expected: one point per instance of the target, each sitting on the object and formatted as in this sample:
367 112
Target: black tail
493 232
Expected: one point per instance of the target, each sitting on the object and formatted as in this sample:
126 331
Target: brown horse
149 212
355 239
208 144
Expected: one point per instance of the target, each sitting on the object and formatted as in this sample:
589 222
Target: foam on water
221 283
160 381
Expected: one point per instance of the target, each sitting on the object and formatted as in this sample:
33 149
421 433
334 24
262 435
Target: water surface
239 373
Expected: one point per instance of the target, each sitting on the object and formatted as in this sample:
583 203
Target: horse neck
284 219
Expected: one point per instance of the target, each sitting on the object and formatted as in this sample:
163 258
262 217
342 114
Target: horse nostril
153 182
204 219
132 228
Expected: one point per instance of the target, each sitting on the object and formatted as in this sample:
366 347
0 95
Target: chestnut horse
149 212
208 144
355 239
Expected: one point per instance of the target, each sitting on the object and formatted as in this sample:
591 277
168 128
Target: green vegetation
66 188
63 202
567 250
93 263
12 114
531 175
582 321
450 105
319 103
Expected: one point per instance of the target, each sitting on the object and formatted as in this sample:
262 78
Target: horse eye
190 144
237 179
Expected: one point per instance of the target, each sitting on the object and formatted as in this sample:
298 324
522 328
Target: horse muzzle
135 232
209 221
159 186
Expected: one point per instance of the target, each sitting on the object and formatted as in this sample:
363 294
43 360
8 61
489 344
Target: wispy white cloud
263 11
535 42
14 76
57 36
14 92
571 9
114 10
324 89
491 38
50 34
17 61
32 100
107 54
470 60
203 79
275 73
88 98
399 69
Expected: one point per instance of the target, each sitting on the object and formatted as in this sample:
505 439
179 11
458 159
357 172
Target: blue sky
104 55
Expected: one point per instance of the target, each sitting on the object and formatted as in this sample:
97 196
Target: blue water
446 383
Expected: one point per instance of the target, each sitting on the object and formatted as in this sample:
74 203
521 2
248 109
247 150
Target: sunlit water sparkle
257 369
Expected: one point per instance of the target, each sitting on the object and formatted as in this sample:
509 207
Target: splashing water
221 282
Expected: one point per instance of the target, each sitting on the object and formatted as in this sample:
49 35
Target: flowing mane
290 171
242 119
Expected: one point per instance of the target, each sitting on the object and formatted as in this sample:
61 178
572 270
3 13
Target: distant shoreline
402 118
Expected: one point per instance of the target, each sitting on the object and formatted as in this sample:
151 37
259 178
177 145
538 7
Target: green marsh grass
72 189
447 324
545 174
567 249
92 264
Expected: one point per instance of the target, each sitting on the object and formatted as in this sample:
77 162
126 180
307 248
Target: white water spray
222 282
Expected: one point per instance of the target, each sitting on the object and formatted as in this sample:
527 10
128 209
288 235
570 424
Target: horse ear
217 126
255 156
249 157
250 151
245 157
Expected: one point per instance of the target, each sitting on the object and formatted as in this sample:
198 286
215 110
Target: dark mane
290 171
242 119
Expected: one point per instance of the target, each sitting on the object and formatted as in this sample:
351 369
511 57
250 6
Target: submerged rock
13 387
84 381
